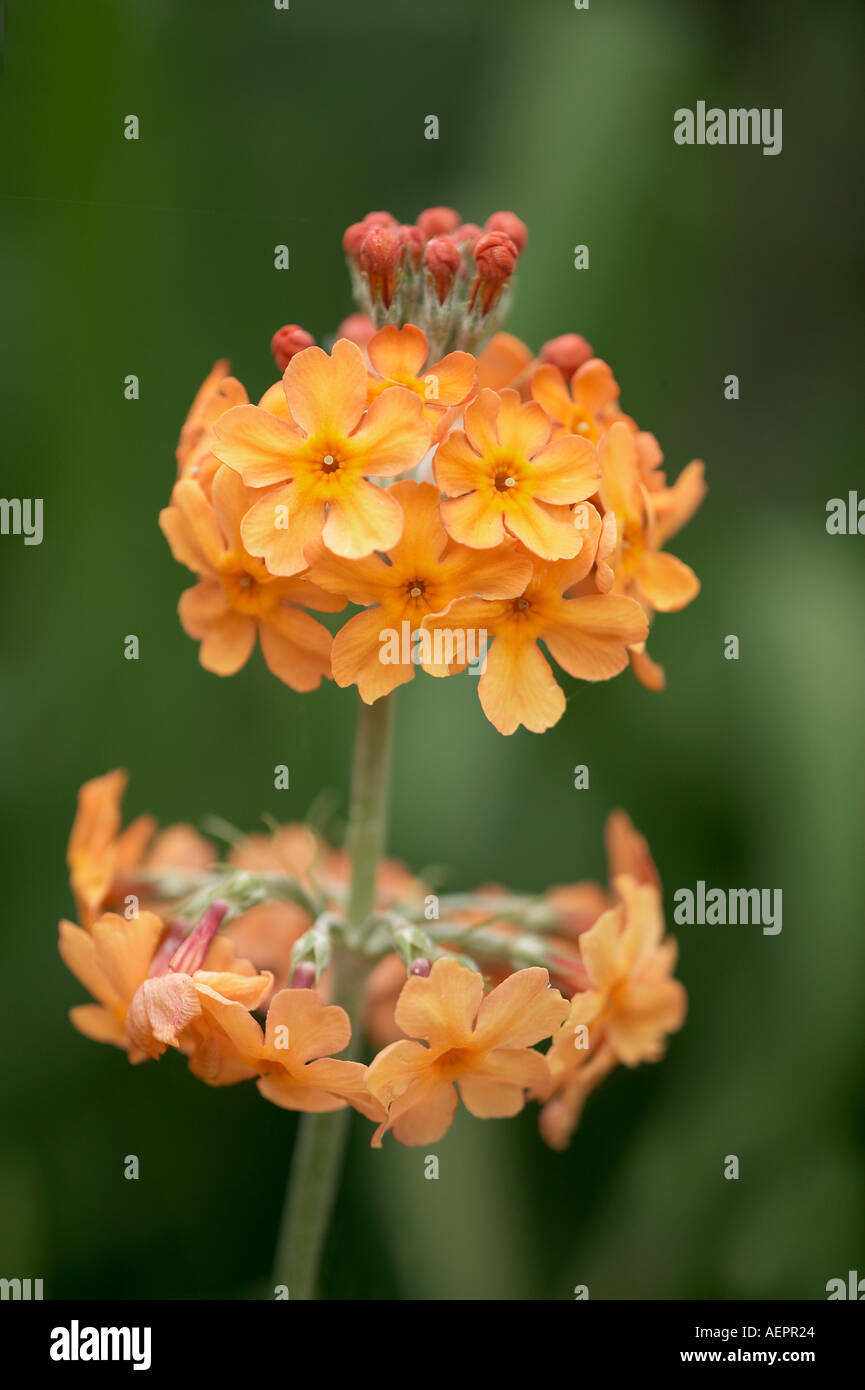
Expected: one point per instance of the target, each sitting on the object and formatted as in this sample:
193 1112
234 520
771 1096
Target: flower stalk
318 1155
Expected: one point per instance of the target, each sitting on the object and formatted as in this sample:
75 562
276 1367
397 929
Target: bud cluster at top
447 276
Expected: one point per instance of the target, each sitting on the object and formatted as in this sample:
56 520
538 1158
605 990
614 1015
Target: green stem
317 1160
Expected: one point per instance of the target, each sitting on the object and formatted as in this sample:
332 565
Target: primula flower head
483 1044
531 457
316 466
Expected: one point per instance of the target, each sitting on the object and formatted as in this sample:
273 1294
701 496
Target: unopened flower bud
442 259
438 221
287 342
512 226
190 954
421 967
380 255
467 234
379 219
496 259
304 976
412 239
358 328
352 238
567 352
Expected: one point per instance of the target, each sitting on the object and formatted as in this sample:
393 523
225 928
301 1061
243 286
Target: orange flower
299 1072
588 636
103 859
97 849
237 597
662 581
218 393
586 407
485 1044
503 475
149 1001
422 574
322 458
631 1004
399 354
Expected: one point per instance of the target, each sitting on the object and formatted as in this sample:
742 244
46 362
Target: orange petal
227 644
393 437
326 393
258 445
281 525
590 641
567 470
455 377
398 353
549 390
365 518
357 657
497 1089
308 1027
296 648
456 466
481 418
545 530
425 1113
98 1024
202 606
78 952
502 361
520 1011
594 387
518 687
521 428
441 1007
473 521
500 573
666 582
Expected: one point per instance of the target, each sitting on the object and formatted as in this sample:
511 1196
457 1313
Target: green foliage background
156 257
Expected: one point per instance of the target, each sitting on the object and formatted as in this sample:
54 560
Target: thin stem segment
317 1160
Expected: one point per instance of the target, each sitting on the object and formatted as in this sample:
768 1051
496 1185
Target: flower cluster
228 963
468 498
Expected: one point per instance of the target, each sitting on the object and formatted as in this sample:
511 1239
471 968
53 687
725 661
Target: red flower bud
380 254
443 260
287 342
304 976
496 259
438 221
352 238
412 239
468 232
567 352
379 219
421 967
358 328
512 226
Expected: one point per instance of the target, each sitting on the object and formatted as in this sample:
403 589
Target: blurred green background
260 127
